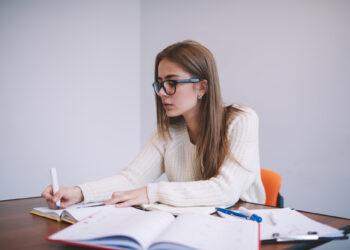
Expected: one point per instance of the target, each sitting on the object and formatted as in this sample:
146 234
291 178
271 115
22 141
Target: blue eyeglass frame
157 86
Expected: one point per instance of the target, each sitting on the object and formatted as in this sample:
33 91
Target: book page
56 213
140 225
289 222
46 212
78 214
59 211
178 210
209 232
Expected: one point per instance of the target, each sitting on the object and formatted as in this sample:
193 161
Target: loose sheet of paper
290 223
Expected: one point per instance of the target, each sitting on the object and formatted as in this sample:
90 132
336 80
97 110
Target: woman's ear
202 88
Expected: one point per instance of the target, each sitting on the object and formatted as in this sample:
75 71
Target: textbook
71 214
118 228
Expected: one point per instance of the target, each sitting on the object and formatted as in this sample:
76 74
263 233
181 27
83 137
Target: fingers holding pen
47 193
48 196
51 198
57 196
61 197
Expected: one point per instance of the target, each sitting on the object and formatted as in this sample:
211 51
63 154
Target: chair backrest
272 184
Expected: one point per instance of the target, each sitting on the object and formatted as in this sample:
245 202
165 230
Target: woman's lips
167 105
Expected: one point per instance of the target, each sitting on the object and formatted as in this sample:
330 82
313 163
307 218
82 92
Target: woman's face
185 99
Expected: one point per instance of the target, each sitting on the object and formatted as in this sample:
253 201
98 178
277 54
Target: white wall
69 91
287 59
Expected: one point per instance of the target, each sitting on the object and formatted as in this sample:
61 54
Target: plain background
69 93
75 87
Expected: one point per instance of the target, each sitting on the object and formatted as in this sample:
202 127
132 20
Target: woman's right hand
67 195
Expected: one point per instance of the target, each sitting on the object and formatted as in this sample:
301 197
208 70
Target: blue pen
238 214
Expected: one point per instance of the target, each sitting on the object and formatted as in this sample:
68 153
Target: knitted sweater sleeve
235 177
145 168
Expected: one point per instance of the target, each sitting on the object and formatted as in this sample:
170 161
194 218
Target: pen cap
256 218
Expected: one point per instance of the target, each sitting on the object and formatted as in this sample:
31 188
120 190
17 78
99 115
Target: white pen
309 236
55 186
297 237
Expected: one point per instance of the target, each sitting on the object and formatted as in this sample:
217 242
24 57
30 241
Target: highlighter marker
55 186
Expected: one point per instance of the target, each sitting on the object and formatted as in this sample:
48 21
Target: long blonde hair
212 145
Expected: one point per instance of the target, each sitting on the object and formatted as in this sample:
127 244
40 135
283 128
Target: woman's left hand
129 198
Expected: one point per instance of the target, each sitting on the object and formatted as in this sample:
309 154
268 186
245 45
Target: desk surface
21 230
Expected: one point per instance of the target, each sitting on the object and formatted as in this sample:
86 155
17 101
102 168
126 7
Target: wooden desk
21 230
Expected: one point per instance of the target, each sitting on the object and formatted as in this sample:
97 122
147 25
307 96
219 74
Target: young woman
209 152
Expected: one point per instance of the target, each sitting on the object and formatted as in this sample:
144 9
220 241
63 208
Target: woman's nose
162 93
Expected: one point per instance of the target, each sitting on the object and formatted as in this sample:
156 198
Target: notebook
285 223
178 210
71 214
117 228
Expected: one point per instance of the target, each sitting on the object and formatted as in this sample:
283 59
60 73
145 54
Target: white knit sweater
176 158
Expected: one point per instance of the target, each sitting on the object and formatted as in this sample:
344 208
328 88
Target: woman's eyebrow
168 76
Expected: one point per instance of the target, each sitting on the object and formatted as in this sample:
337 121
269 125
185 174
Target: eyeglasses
169 86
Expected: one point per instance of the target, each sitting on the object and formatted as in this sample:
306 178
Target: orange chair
272 184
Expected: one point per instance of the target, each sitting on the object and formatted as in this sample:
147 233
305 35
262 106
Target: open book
77 212
72 214
118 228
